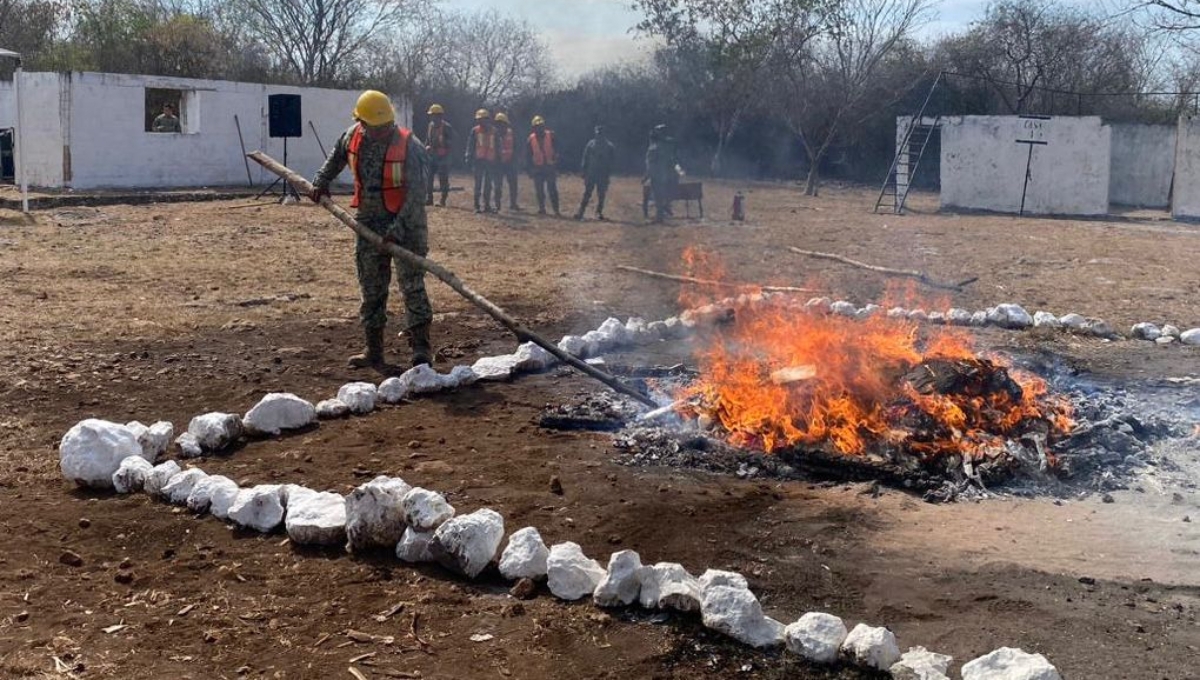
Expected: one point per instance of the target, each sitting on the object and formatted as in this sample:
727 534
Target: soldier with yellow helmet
391 173
438 140
506 162
481 157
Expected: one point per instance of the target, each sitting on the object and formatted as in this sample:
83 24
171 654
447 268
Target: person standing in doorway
481 156
543 161
597 171
391 172
506 162
438 140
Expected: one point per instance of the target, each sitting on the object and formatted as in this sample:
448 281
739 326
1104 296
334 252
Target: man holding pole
391 174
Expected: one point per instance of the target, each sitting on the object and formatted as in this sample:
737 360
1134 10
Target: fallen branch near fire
710 282
446 276
908 273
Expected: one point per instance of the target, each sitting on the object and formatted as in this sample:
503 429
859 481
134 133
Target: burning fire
778 376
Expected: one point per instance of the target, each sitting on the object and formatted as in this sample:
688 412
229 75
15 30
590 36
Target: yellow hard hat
374 108
502 118
435 109
538 120
482 114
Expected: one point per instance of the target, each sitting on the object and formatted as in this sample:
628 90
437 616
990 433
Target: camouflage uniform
597 171
439 158
165 122
661 174
409 228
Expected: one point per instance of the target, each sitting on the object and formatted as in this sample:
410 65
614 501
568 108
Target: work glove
316 194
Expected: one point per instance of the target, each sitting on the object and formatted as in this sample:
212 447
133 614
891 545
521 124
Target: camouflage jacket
165 123
370 168
598 159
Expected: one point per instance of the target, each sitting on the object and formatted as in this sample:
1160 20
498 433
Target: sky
586 34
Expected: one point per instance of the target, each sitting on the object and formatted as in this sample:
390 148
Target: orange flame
779 376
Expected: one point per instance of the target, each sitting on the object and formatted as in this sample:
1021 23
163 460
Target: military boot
372 356
418 342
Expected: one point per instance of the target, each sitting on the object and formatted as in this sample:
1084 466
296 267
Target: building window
167 111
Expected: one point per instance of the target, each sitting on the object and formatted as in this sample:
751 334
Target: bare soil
164 311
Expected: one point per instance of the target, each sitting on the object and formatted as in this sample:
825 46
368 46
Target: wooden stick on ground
909 273
709 282
304 188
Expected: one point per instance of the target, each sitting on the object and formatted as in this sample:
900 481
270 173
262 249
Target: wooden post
303 187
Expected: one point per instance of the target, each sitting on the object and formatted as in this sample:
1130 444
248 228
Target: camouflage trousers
375 270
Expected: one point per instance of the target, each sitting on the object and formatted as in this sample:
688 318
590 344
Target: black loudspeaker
283 115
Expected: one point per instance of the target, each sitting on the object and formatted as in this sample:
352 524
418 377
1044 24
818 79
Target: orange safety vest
395 187
542 156
437 134
506 146
485 144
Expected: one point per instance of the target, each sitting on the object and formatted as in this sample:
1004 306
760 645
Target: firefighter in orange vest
391 173
506 162
437 142
481 157
542 159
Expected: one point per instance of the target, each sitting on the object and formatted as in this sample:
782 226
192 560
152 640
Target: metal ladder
909 152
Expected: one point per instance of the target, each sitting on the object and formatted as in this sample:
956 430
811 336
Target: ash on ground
1127 435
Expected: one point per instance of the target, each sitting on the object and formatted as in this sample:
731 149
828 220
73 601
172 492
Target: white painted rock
189 446
277 412
154 440
574 345
674 328
656 330
844 308
636 329
1073 321
359 397
937 318
215 431
374 514
524 556
897 313
668 585
816 636
737 613
158 477
871 647
868 311
1045 320
315 517
131 474
958 317
425 510
468 543
621 584
978 319
1008 663
918 315
390 391
1145 331
336 408
1165 340
213 494
1190 337
180 486
424 380
91 452
596 343
1009 315
496 368
919 663
414 546
1171 331
532 358
716 577
616 332
819 304
1099 328
571 574
259 508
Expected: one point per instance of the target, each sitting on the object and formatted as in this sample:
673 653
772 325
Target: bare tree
1170 15
316 41
826 79
491 56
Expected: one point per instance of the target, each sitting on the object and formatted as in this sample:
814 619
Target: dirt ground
163 311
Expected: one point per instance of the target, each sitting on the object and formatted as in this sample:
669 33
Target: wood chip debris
396 609
357 673
482 637
368 638
185 610
360 657
113 629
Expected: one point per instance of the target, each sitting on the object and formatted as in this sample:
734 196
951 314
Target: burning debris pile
801 383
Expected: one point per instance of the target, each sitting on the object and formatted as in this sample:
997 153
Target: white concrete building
91 130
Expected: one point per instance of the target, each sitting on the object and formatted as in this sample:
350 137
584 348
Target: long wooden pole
709 282
448 277
908 273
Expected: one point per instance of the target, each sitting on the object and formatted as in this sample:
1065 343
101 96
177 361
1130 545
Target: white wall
983 167
91 128
1143 164
1185 195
